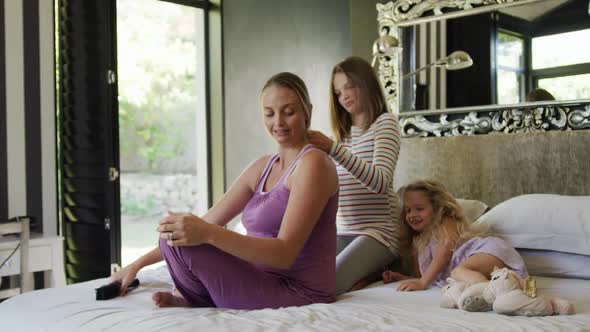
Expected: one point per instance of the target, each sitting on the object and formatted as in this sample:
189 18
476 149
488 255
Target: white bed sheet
378 308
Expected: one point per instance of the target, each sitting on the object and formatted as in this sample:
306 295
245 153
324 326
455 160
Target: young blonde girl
444 244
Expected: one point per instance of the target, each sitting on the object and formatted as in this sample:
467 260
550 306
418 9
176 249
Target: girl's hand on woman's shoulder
320 141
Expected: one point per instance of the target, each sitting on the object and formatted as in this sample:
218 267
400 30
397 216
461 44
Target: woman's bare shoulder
318 165
318 158
254 170
261 161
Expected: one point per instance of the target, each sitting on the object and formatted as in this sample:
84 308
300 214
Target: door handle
113 174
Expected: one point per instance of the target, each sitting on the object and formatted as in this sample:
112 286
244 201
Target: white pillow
543 221
472 209
556 264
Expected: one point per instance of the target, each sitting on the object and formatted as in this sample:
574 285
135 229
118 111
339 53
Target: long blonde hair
445 207
295 84
361 74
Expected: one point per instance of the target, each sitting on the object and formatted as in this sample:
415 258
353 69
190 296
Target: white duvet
378 308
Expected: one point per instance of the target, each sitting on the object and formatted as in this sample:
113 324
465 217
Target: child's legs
207 276
363 256
476 268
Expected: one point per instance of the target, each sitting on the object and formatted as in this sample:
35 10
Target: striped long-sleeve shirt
366 161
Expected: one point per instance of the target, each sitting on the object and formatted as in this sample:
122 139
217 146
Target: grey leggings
359 256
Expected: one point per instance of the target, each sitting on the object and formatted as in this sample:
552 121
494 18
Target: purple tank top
313 274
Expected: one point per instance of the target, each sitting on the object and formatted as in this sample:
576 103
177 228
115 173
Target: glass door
162 117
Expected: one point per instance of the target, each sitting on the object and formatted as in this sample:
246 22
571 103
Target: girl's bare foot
167 299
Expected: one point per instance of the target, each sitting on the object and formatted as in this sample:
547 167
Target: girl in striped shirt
365 148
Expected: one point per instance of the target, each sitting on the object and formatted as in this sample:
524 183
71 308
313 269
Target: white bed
556 231
376 308
379 307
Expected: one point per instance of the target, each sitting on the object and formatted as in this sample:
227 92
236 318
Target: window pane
510 51
509 84
568 87
161 65
561 49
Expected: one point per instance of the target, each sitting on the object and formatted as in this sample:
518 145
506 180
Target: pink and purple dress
489 245
209 277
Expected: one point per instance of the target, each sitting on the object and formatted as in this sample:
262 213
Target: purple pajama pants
209 277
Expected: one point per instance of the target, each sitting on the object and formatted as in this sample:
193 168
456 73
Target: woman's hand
125 277
320 140
184 229
391 276
412 285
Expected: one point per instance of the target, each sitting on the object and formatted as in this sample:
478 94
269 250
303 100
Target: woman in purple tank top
288 203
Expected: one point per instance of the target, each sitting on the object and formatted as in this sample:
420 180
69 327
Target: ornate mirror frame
516 118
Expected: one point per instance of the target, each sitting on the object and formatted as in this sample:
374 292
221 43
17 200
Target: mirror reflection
533 52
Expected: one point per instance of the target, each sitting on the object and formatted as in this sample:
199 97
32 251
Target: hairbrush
112 290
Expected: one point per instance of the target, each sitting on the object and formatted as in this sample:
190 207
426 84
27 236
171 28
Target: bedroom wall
263 37
27 121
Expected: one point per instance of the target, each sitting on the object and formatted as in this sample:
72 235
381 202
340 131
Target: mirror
516 47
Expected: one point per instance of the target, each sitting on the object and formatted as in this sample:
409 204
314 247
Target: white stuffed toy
451 293
461 295
506 292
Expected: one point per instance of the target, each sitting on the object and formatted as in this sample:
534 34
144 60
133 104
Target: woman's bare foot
167 299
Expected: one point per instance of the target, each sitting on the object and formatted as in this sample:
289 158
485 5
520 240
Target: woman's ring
170 238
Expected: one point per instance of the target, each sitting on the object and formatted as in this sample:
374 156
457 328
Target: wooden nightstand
45 253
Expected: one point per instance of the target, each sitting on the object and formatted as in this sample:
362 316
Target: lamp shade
457 60
454 61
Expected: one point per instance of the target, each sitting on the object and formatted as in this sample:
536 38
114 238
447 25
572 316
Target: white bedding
73 308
